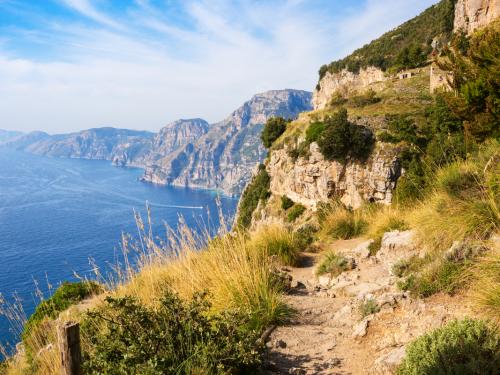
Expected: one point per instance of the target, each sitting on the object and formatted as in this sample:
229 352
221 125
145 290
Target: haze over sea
56 214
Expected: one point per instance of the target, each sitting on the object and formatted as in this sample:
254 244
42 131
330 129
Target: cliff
474 14
223 157
345 83
312 180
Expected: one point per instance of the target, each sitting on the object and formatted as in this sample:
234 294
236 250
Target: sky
68 65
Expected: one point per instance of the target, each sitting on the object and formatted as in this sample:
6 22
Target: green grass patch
368 307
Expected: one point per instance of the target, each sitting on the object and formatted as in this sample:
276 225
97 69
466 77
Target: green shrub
445 276
304 236
336 100
176 337
295 212
368 307
348 227
400 267
274 127
314 131
362 100
256 190
66 295
461 347
340 139
286 202
333 264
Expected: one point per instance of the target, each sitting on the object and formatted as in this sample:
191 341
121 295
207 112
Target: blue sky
67 65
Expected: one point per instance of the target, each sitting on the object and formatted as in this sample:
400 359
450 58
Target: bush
286 202
333 264
126 337
256 190
444 276
461 347
295 212
274 127
314 131
66 295
368 307
340 139
304 236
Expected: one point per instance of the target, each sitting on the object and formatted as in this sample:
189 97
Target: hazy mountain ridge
187 152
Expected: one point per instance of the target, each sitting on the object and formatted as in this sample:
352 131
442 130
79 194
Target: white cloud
154 71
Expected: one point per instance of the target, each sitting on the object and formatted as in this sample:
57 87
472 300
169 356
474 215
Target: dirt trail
329 335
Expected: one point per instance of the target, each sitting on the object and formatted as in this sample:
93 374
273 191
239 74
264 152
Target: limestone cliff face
345 82
312 180
169 139
223 157
474 14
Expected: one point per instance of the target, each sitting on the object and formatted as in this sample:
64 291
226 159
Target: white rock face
345 82
314 180
474 14
388 363
395 246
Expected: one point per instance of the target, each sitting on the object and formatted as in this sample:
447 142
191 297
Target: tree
274 127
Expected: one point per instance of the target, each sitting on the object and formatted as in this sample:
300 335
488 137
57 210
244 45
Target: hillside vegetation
407 46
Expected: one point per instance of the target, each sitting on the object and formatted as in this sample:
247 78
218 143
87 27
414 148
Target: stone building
440 79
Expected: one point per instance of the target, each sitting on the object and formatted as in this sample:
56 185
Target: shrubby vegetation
295 212
274 127
257 190
341 223
341 140
333 264
407 46
66 295
461 347
286 202
181 337
368 307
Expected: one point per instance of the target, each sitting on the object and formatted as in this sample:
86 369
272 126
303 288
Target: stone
360 329
325 281
280 344
389 362
297 371
363 249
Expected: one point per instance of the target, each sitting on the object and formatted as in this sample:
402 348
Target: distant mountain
184 153
8 135
99 143
224 157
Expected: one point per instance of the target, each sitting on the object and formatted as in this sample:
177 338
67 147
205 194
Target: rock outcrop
224 157
471 15
312 180
344 83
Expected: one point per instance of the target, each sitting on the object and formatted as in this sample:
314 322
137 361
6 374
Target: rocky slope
8 135
474 14
313 180
223 158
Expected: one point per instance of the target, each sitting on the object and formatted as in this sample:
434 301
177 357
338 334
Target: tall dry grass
236 269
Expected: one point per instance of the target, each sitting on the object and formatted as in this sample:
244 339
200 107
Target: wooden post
69 346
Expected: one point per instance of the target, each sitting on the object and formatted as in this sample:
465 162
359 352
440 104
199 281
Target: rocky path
330 336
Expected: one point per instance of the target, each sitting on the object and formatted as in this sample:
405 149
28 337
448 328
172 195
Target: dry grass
485 290
340 223
235 268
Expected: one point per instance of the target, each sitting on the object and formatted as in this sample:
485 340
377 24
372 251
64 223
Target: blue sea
56 214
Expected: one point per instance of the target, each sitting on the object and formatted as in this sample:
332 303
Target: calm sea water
55 214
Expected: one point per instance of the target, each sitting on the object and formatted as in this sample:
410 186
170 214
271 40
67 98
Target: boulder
388 363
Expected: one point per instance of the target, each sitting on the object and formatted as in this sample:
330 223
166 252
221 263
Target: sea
59 218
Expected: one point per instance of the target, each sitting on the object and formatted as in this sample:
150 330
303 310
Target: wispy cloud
96 62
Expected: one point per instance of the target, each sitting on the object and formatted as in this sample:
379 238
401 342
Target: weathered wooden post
69 346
